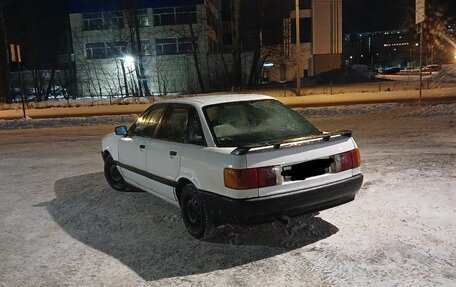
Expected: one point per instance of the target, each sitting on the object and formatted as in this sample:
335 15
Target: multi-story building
399 48
451 43
136 47
381 48
452 30
320 27
176 40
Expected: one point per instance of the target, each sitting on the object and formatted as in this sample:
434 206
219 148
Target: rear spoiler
314 139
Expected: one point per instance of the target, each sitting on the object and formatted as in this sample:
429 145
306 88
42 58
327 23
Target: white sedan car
239 159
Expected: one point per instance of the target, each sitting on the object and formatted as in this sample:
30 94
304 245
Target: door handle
141 147
173 153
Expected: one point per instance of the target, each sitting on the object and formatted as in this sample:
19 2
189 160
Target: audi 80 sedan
238 159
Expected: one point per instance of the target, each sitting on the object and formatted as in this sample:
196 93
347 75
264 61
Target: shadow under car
148 235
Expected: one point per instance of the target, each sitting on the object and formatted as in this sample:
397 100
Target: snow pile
64 122
80 102
391 109
433 110
341 111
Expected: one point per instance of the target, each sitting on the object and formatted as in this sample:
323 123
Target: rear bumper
250 211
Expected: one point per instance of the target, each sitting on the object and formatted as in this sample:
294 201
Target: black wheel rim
115 174
193 211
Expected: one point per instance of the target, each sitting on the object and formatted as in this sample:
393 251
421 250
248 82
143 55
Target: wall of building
398 48
284 66
321 41
327 27
325 62
164 74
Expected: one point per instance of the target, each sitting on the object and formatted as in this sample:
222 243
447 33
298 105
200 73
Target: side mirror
121 130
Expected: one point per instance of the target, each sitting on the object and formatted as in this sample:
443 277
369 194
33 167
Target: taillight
346 160
356 158
250 177
266 176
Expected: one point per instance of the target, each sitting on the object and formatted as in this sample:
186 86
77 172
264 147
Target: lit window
143 18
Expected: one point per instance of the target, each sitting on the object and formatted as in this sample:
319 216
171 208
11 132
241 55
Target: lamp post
15 51
298 50
420 11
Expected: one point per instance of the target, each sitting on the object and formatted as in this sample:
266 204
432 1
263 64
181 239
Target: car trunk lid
303 163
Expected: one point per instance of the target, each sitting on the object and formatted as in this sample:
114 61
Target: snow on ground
399 110
80 102
62 224
64 122
392 110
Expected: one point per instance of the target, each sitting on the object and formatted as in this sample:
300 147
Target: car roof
202 101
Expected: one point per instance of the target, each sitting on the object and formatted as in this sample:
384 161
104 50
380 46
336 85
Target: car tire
194 213
114 178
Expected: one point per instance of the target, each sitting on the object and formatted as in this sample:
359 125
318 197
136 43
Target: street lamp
128 62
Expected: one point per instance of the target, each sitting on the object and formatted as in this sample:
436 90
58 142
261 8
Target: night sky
378 15
40 27
42 24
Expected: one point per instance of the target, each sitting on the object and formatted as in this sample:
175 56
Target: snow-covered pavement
61 225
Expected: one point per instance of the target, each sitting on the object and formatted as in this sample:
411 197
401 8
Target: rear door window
194 131
174 124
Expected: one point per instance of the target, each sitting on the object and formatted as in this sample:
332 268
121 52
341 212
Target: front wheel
194 213
113 176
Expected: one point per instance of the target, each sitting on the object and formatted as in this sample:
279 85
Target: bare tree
235 6
134 28
195 57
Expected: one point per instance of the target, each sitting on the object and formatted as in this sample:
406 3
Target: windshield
255 123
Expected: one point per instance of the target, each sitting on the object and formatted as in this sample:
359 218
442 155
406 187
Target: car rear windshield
255 123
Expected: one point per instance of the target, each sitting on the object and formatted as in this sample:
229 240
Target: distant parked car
232 159
57 93
429 69
30 95
391 71
409 72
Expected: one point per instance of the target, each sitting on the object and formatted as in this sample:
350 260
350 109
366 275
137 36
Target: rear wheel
113 176
194 213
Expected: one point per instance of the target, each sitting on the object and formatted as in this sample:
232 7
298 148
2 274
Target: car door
164 152
133 147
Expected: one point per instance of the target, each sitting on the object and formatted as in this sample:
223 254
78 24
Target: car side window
173 126
194 132
146 125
